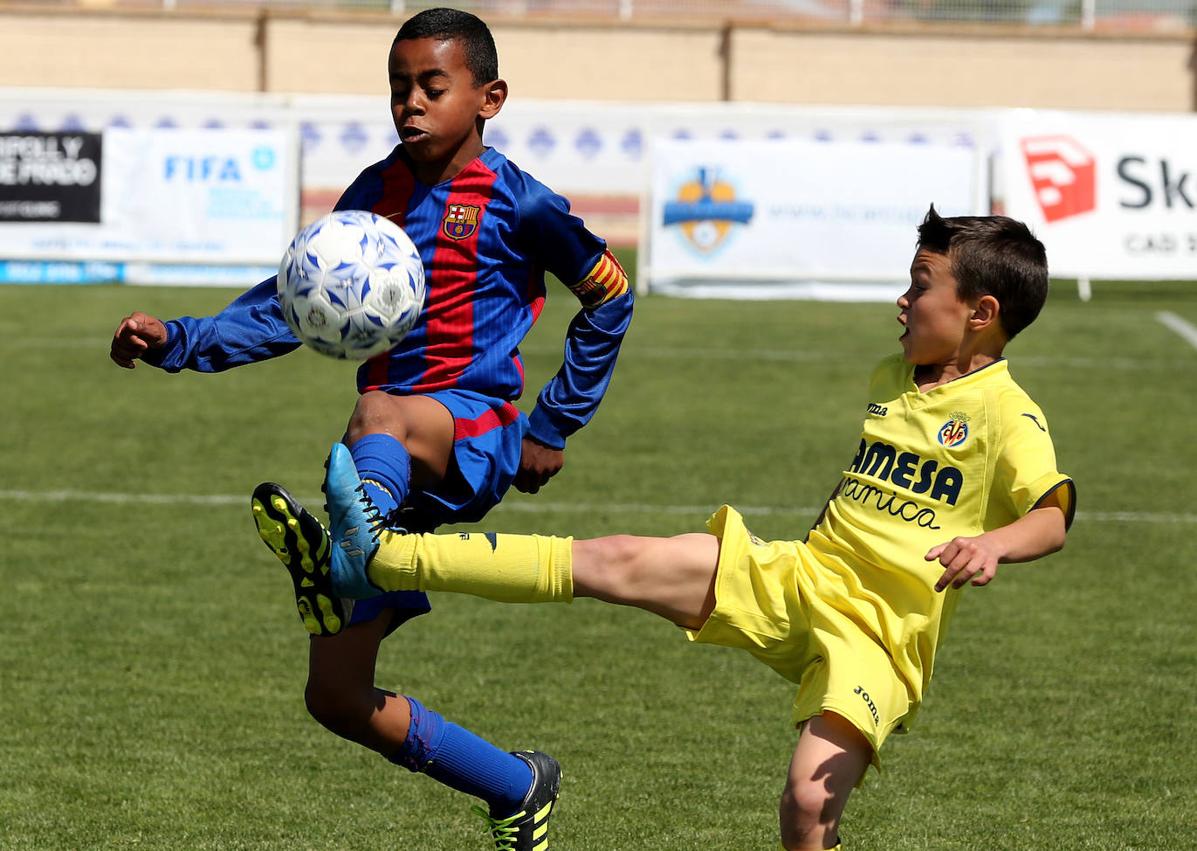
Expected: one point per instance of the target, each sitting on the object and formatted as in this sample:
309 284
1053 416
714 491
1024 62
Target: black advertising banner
50 177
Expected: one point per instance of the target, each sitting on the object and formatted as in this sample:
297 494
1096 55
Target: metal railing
1132 16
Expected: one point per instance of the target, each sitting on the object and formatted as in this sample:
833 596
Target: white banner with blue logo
203 206
798 218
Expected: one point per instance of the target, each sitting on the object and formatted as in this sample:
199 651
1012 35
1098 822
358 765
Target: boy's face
935 317
435 102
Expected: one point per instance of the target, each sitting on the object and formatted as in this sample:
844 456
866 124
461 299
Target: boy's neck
928 376
432 173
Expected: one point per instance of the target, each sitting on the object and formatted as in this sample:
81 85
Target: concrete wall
963 69
105 50
608 61
595 62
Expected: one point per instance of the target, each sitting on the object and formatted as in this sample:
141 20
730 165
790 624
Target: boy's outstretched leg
671 577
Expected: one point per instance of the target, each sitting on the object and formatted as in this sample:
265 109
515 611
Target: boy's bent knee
343 711
376 412
608 566
808 815
423 425
670 577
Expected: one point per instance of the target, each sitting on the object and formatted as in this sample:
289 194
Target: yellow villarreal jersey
961 459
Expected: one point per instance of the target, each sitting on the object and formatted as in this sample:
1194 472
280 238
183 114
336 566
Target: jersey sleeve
559 242
250 329
354 197
1025 473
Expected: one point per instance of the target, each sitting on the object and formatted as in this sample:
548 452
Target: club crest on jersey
461 220
955 431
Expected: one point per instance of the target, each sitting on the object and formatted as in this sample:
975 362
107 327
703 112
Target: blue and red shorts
488 435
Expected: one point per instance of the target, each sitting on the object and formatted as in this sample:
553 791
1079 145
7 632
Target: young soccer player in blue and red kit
434 434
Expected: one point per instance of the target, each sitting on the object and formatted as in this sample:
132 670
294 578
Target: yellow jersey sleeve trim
1065 491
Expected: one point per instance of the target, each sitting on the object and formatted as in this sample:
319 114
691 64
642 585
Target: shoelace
373 515
503 830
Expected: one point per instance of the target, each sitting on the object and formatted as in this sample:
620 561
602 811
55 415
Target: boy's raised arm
572 396
581 260
1039 532
250 329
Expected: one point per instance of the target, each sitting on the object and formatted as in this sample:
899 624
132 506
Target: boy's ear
493 98
985 313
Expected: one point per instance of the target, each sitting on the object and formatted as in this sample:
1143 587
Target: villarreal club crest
955 431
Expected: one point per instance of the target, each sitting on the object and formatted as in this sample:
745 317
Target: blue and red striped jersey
486 237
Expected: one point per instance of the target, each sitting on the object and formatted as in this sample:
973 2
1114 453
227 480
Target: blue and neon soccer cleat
354 523
302 545
528 828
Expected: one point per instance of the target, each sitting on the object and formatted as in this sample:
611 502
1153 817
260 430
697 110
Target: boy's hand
966 559
538 464
137 333
1037 533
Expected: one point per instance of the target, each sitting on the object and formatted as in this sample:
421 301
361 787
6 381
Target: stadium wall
602 60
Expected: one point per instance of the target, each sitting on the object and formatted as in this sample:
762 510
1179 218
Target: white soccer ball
351 285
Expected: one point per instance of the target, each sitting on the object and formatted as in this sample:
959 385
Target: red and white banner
1112 196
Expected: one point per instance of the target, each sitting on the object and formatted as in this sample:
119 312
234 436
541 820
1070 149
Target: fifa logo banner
1110 195
792 218
50 177
156 205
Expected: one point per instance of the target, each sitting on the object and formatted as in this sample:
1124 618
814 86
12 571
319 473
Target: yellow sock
507 568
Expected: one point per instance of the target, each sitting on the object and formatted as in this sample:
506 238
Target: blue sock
456 757
385 468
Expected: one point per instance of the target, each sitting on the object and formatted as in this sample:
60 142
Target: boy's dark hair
477 43
992 255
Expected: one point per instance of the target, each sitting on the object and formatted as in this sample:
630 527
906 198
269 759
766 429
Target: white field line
760 355
531 505
1186 330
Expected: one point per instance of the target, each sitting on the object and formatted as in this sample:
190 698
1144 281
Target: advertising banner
215 203
576 147
50 177
583 148
794 218
1112 196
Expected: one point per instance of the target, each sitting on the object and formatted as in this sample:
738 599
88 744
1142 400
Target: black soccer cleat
301 543
528 828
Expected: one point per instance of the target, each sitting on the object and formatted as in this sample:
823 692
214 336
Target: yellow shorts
775 600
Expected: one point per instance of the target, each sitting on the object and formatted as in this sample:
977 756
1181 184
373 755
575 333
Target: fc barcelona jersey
486 237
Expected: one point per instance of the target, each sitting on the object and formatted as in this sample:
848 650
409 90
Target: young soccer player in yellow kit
955 473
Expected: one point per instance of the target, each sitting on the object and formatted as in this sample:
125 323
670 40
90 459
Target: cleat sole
301 543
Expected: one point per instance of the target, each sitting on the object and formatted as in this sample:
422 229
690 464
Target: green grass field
152 668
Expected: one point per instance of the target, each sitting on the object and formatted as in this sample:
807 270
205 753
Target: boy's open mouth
413 134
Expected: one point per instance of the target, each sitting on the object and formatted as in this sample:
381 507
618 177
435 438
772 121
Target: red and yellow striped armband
602 283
